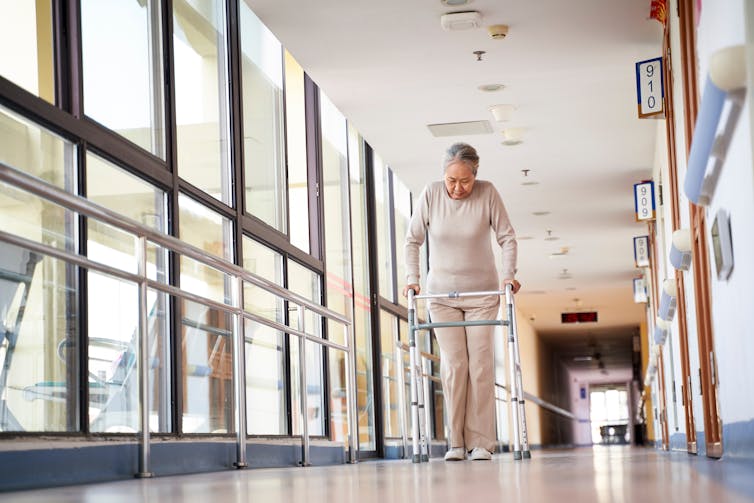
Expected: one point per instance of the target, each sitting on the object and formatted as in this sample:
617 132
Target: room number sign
650 88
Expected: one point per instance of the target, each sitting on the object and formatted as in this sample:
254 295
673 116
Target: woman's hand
416 288
515 285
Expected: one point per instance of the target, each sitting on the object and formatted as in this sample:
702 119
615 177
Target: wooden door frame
655 281
700 253
675 214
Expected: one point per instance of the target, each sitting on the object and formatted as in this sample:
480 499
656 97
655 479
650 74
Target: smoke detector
466 20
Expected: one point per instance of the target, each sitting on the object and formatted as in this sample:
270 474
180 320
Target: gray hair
461 152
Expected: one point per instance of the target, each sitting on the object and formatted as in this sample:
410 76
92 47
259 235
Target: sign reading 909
644 201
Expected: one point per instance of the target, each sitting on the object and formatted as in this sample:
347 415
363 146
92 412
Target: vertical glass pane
295 120
263 142
114 345
213 233
362 307
265 353
201 95
307 283
26 27
39 367
206 366
207 369
337 214
382 220
402 202
390 389
121 44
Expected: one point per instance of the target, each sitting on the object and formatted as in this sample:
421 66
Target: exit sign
583 317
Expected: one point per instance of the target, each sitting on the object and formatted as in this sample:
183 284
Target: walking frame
518 413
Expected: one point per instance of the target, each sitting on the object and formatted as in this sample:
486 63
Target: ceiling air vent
460 128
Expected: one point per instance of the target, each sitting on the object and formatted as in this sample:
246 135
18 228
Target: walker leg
517 380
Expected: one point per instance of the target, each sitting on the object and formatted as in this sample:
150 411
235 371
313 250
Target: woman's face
459 180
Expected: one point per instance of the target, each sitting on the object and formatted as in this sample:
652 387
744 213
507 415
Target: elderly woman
458 214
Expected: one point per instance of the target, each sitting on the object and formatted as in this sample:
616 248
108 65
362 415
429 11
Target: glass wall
113 325
201 95
122 58
191 371
298 181
307 283
265 351
263 137
39 365
26 27
362 319
206 349
402 213
384 234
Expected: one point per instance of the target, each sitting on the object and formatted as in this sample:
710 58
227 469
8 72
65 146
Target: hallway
600 474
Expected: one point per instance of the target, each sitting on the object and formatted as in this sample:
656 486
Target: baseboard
43 463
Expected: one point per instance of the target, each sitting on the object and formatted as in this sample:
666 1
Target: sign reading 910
649 88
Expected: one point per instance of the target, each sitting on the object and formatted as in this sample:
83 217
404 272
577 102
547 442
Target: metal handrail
144 235
543 404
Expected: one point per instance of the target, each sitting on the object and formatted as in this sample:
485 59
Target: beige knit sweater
460 245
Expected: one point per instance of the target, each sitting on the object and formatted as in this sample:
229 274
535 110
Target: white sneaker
455 454
480 454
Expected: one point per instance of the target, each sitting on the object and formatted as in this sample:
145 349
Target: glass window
382 221
27 28
39 366
295 119
201 95
362 306
122 60
390 388
113 305
263 137
337 214
402 197
206 366
307 283
265 352
213 233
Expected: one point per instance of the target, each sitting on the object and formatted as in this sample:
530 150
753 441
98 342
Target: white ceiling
568 67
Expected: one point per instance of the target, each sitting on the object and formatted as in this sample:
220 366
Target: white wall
723 24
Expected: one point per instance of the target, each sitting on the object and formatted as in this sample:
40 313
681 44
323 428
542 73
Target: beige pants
468 369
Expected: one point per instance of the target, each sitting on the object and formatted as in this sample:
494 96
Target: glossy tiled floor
602 474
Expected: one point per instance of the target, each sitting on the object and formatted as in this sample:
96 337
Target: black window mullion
82 302
374 295
171 149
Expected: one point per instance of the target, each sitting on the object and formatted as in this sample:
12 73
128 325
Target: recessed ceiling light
529 184
551 238
491 88
454 3
523 238
540 213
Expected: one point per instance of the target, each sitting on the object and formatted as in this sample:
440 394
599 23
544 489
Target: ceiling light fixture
498 31
513 136
527 184
522 238
565 274
502 113
454 3
541 214
491 88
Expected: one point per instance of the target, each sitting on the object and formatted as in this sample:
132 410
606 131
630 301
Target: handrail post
144 399
302 384
239 378
351 397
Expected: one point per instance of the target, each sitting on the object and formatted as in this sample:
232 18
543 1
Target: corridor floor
599 474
